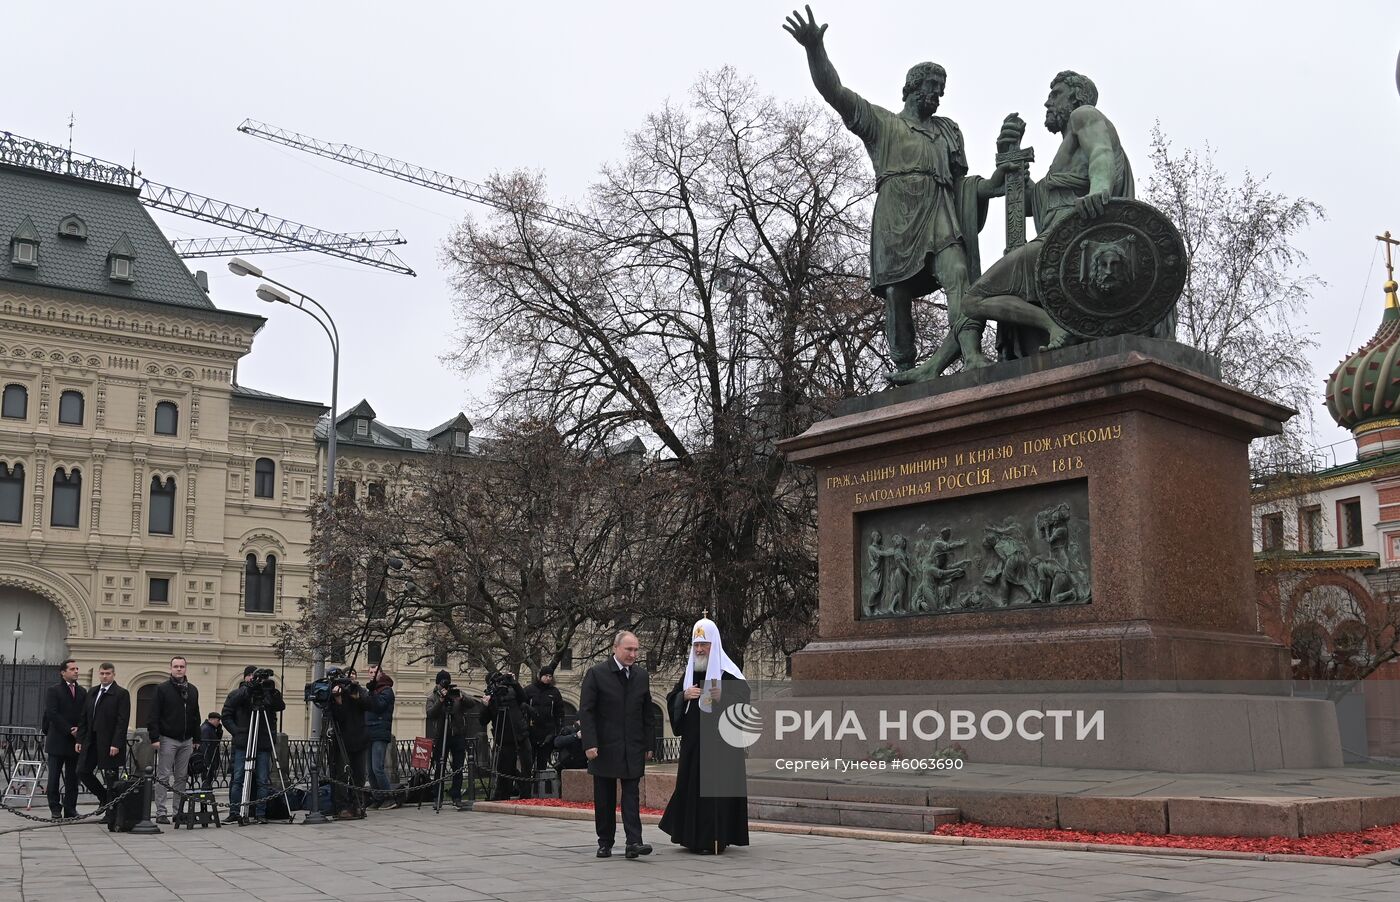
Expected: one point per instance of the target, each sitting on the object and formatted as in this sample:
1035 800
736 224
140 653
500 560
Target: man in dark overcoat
102 732
618 735
63 711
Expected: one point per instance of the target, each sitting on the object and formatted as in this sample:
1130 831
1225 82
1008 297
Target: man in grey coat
618 734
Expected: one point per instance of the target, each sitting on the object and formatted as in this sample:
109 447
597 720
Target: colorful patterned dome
1363 392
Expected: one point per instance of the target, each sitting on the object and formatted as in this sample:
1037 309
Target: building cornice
1287 564
1306 485
48 294
104 331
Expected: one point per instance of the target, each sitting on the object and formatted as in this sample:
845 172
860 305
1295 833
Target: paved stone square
410 855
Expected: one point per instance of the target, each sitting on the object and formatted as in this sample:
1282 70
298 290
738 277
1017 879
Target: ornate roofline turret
1363 392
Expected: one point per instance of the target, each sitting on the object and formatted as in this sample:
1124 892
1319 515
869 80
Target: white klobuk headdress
706 631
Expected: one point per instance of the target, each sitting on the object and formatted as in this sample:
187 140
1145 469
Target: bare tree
1337 637
727 308
508 560
1246 286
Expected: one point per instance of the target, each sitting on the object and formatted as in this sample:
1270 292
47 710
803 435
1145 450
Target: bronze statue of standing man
1089 167
928 210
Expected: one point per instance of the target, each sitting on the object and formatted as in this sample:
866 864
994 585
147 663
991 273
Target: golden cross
1388 241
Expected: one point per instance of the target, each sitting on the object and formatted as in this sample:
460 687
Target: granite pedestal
1148 449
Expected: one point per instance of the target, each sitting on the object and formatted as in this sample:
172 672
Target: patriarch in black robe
708 810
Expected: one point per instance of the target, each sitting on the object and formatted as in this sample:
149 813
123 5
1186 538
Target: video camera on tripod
258 685
502 689
320 692
512 758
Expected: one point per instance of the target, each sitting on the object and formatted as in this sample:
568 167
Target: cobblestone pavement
415 855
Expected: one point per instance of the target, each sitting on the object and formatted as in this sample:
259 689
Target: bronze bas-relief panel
1015 549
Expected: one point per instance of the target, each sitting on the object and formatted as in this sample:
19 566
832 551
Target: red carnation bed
1331 845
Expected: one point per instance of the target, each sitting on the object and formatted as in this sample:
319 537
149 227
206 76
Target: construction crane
243 245
414 174
282 234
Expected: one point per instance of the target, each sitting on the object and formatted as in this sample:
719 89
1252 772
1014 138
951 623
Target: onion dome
1363 392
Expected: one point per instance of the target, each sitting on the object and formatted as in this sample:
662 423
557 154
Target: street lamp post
272 295
14 668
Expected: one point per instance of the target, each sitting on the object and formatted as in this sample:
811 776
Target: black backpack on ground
277 809
127 813
417 790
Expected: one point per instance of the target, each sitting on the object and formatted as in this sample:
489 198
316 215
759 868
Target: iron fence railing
295 758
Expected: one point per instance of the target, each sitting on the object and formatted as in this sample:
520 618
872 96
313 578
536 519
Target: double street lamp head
240 267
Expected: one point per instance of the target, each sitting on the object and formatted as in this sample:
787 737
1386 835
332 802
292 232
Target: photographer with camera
379 726
453 718
548 706
569 744
348 703
257 693
512 760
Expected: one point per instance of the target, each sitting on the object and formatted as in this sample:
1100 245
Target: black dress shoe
162 819
605 851
641 848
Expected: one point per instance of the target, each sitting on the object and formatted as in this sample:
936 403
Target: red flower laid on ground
1332 845
561 803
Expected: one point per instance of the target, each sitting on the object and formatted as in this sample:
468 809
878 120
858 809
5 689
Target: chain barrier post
147 827
314 815
470 803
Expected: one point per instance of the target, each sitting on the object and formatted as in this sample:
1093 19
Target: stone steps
844 813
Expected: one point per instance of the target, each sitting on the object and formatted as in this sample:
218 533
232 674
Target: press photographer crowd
514 732
506 735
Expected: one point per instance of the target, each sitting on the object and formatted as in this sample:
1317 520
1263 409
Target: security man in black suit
102 732
618 734
63 711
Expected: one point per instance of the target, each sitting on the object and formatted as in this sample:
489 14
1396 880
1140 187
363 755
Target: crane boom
256 222
28 153
243 245
412 173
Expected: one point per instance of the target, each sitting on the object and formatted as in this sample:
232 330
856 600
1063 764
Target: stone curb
579 814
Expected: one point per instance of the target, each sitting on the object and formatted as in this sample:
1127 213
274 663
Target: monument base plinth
1166 657
1166 732
1080 515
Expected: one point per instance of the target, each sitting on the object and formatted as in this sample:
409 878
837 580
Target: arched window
252 584
264 478
70 408
259 585
167 418
11 493
16 403
162 515
268 593
67 491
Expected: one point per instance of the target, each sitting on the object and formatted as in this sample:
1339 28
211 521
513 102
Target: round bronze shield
1118 274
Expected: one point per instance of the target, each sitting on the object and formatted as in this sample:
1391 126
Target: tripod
260 721
504 728
347 771
441 773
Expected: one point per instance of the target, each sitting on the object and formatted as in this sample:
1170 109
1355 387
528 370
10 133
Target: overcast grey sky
1302 91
